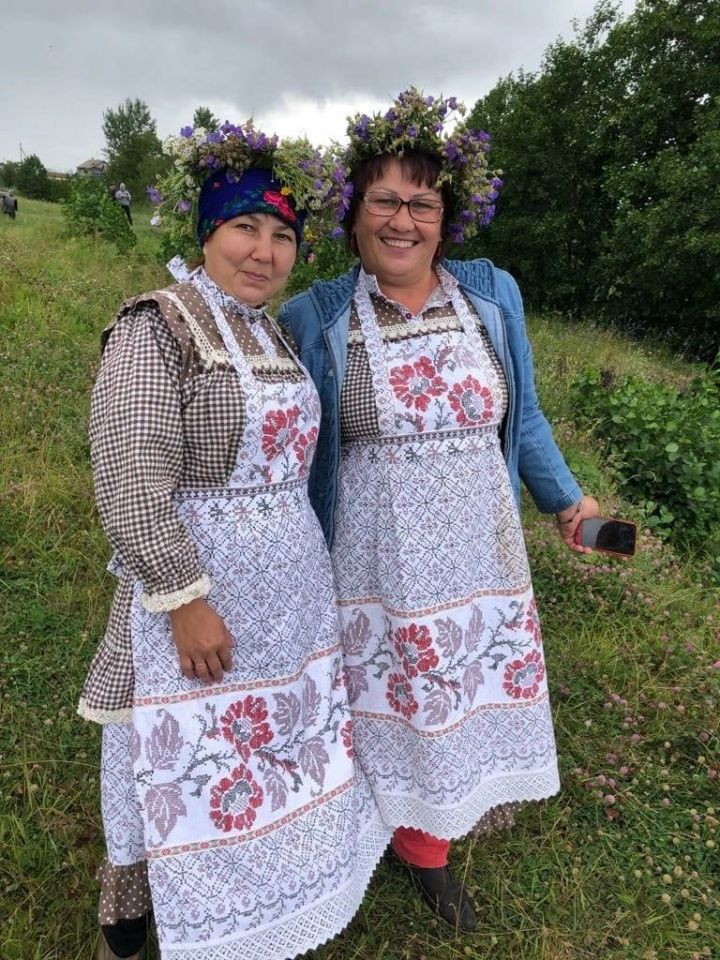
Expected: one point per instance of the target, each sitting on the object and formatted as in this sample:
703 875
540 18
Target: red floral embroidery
346 732
414 647
532 624
243 724
399 695
304 448
523 677
279 431
471 402
279 201
234 800
414 384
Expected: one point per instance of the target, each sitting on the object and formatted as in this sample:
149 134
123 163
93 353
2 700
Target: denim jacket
319 320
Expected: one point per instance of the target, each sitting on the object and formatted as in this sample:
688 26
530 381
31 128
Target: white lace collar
231 304
440 295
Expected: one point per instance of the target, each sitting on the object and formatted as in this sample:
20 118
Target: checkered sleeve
136 438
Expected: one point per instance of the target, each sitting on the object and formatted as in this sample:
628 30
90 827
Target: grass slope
623 863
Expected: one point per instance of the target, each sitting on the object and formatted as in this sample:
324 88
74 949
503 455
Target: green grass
631 651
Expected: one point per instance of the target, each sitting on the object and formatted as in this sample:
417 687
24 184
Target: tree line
132 147
611 160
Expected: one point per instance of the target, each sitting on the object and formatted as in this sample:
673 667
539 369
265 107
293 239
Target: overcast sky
298 67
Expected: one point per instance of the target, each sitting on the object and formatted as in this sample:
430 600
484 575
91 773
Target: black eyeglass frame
435 204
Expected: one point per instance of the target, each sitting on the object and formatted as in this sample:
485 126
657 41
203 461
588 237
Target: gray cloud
62 65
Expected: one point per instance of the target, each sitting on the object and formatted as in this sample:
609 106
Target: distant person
9 204
123 197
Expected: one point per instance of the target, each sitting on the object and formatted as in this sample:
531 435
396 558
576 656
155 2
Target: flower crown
197 153
416 122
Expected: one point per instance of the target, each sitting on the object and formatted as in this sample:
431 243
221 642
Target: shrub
665 443
91 212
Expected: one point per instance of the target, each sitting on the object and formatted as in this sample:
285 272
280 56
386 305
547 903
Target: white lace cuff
160 602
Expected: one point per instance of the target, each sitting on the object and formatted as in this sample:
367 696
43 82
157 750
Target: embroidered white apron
260 830
444 660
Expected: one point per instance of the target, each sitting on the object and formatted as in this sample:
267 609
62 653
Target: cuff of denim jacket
567 499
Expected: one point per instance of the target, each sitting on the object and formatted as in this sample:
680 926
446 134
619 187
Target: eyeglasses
388 204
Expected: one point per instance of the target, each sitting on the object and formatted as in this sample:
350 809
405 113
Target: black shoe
445 895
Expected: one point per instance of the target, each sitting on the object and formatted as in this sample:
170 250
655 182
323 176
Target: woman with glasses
430 419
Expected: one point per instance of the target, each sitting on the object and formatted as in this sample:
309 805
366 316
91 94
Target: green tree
609 152
90 212
204 117
658 268
133 149
8 173
31 179
552 210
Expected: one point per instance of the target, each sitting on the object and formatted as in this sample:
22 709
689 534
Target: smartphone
618 537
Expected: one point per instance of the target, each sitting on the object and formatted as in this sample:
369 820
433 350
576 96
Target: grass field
623 863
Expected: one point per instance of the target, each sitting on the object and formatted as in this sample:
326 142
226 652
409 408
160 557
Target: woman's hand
571 518
203 641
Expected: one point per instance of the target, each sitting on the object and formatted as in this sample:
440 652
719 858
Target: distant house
92 168
58 175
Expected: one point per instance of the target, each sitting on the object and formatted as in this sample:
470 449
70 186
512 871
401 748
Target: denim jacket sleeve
541 465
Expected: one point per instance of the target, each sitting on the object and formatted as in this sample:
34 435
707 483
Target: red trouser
420 849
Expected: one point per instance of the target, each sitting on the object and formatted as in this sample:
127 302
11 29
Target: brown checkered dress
167 411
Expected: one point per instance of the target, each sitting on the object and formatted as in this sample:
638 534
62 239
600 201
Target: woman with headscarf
430 419
228 777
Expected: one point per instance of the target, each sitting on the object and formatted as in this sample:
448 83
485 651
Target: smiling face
397 249
251 256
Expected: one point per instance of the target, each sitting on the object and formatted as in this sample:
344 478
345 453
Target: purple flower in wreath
154 195
488 214
186 132
451 152
184 206
412 131
361 127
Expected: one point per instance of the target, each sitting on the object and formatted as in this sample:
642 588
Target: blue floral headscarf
225 195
